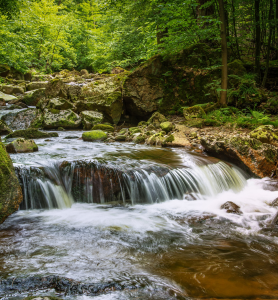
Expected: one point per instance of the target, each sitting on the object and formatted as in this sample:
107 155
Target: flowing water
149 219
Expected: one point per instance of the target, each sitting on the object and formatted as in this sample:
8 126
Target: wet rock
120 138
71 137
274 202
157 139
59 103
167 126
21 119
22 146
257 158
2 102
32 98
31 134
156 119
91 118
139 139
10 190
6 97
231 208
94 135
274 221
35 85
265 134
103 127
4 128
61 118
12 89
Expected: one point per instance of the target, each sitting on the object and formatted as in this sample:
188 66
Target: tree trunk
224 78
269 42
257 40
235 31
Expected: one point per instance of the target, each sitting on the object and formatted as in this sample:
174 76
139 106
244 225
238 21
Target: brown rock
231 208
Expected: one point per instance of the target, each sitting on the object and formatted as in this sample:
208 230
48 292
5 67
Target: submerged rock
231 208
61 118
91 118
94 135
10 190
22 146
31 134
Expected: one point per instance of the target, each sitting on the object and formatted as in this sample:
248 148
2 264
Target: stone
274 202
178 138
4 128
265 134
22 146
31 133
106 128
156 119
231 208
59 103
10 190
194 112
32 98
134 130
35 85
104 96
143 123
167 126
157 139
6 97
56 88
84 72
91 118
41 77
2 102
123 131
120 138
22 119
12 89
139 139
61 118
94 135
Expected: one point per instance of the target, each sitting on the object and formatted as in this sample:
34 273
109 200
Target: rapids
144 217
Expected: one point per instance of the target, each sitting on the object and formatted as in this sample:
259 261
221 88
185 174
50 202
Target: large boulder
22 146
31 133
4 128
12 89
21 119
257 158
60 104
33 97
104 96
61 118
10 190
91 118
56 88
35 85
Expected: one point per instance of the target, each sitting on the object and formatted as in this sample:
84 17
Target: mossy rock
103 127
123 131
194 112
120 138
265 134
167 126
236 68
143 123
94 135
59 104
134 130
91 118
140 139
32 98
31 134
196 122
63 118
10 190
156 119
4 128
157 139
22 146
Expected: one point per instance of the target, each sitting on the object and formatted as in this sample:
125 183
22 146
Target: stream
148 220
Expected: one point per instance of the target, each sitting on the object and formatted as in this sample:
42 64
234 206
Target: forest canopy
51 35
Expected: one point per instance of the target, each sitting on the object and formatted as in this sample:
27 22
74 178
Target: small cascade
60 184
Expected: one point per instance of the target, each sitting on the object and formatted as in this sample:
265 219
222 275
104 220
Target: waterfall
60 184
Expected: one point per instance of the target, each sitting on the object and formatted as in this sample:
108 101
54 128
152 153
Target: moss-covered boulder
56 88
10 190
106 128
33 97
265 134
120 138
156 119
157 139
59 103
134 130
4 128
139 139
167 126
94 135
7 97
104 96
21 119
22 146
90 118
61 118
35 85
31 133
12 89
194 112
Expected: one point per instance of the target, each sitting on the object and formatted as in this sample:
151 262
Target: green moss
103 127
169 139
134 130
140 139
167 126
31 134
54 111
194 112
94 135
